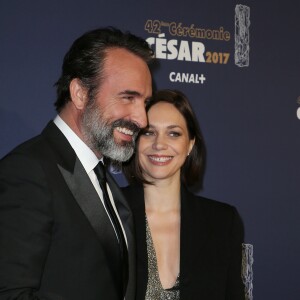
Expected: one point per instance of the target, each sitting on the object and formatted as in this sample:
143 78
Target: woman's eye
174 134
147 133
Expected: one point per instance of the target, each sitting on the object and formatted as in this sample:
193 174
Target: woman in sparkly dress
188 247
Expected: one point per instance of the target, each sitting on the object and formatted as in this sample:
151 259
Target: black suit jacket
210 247
53 237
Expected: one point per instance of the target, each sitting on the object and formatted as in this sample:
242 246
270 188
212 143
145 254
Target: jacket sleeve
25 227
235 286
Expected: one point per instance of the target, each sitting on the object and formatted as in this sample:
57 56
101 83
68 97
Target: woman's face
164 144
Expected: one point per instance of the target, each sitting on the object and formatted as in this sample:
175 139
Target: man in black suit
58 240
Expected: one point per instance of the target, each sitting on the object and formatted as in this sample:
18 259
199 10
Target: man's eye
130 98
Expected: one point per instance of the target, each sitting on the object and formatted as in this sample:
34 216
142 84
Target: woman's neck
163 196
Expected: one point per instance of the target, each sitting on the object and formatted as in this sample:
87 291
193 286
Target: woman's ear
192 142
78 94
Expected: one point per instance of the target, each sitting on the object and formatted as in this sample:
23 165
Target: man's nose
139 116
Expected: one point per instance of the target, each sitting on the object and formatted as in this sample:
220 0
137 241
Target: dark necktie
101 175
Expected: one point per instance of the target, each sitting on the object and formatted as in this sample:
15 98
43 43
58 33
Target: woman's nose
159 143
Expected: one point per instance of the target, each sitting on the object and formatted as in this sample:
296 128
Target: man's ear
78 94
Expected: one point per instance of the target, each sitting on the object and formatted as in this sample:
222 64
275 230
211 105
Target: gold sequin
155 291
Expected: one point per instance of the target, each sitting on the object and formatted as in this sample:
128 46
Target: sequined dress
155 291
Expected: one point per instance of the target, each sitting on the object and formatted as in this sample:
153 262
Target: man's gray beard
99 136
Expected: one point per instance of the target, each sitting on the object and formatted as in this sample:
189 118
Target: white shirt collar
86 156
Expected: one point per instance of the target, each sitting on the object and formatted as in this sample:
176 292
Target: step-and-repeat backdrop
239 64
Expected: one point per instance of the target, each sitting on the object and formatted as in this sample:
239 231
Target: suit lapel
82 188
88 200
127 222
135 198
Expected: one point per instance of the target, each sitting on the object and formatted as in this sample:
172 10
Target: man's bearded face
99 134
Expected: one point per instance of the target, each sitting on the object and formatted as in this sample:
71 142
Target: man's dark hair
85 59
193 167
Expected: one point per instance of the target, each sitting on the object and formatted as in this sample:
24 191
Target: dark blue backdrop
247 114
